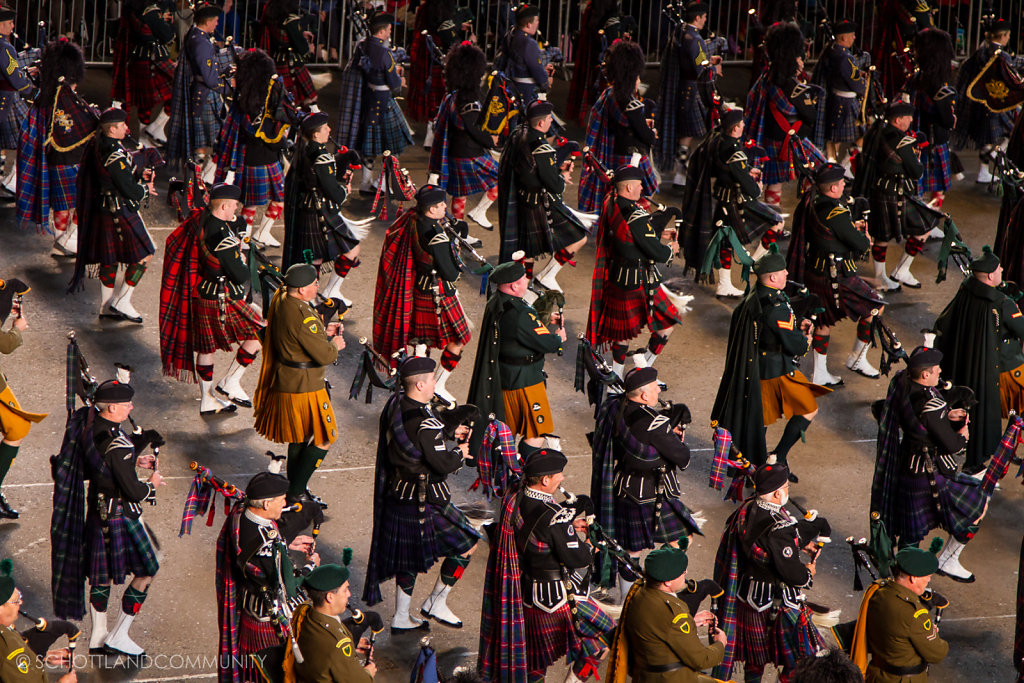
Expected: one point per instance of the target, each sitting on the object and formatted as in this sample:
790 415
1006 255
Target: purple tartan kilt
149 84
915 513
551 636
592 191
63 189
313 234
10 124
437 329
207 121
129 245
625 312
760 641
857 299
130 550
471 175
296 79
383 127
936 169
691 114
638 526
841 119
262 184
445 533
209 334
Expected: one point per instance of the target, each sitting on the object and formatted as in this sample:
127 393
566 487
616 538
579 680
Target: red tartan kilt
149 84
625 314
434 329
296 79
110 247
549 636
241 323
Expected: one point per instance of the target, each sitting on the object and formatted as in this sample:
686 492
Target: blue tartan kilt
916 514
63 189
841 119
691 114
592 191
262 184
639 526
208 122
409 547
982 127
10 124
775 170
936 169
128 245
471 175
553 635
129 550
384 128
784 641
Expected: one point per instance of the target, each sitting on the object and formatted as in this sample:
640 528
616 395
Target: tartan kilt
775 170
209 333
936 176
260 638
749 225
916 514
553 635
130 550
626 312
983 127
886 221
384 128
437 324
856 298
262 184
639 526
207 122
471 175
296 79
126 246
149 84
410 547
63 187
784 641
427 101
691 114
10 124
311 233
841 119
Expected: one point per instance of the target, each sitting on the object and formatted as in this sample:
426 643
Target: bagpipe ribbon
726 233
496 474
1000 463
952 247
200 495
366 369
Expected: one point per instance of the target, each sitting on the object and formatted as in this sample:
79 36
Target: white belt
528 81
845 93
379 88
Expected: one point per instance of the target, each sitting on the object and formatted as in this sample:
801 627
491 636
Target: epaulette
944 92
230 240
324 158
737 156
446 25
836 211
637 214
544 148
634 104
906 140
439 238
563 516
431 423
470 107
121 441
118 154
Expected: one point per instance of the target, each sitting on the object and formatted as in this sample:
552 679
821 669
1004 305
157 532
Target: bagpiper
287 43
19 663
439 26
934 101
16 91
846 86
520 57
143 68
602 23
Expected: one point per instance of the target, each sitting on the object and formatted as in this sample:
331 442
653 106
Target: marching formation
685 185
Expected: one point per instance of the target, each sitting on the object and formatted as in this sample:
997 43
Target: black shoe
243 402
6 511
316 499
793 479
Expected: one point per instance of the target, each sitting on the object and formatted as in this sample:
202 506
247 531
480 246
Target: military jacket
843 74
298 335
928 434
834 234
220 261
898 156
781 343
661 631
537 168
9 340
900 633
523 339
640 472
202 60
526 66
771 544
267 569
635 137
469 140
328 651
732 171
118 184
119 453
379 68
18 663
431 458
632 261
13 80
693 54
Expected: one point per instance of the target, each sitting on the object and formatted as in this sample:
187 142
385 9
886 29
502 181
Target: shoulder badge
439 238
926 623
325 158
944 93
634 104
446 25
118 155
470 107
935 404
345 645
431 423
121 441
637 214
685 619
658 421
837 211
737 156
544 148
563 516
906 140
230 240
786 324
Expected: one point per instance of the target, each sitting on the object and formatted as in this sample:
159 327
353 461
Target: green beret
665 564
772 262
986 263
507 273
300 275
6 580
917 562
326 577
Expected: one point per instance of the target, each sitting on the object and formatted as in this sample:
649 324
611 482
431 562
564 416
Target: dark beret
772 262
326 577
416 365
695 9
226 191
627 172
829 173
6 580
206 11
917 562
507 273
731 117
899 108
665 564
314 121
538 109
429 195
113 391
300 275
844 27
8 15
543 462
924 357
380 20
112 114
266 485
768 478
639 377
986 263
993 26
527 12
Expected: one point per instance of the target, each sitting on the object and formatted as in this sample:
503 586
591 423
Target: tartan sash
180 278
446 116
502 657
396 276
496 475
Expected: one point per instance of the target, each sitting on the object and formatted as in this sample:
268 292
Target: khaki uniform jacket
18 663
9 341
298 336
328 651
900 632
661 631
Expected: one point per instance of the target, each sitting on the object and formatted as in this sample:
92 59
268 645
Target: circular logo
787 552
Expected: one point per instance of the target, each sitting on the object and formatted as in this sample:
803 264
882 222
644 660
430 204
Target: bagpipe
381 372
457 230
394 184
267 277
190 192
29 57
227 64
594 375
45 632
998 86
279 113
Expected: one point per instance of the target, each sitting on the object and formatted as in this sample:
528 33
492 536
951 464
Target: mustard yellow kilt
789 395
527 411
295 418
1011 391
15 422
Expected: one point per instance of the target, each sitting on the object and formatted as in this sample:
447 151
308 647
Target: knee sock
243 357
819 342
864 330
305 465
459 207
794 430
915 245
619 352
205 372
294 451
249 216
131 601
274 210
769 238
564 256
492 193
878 252
725 257
452 569
60 220
343 264
99 597
406 582
7 455
657 343
134 273
449 360
108 275
528 265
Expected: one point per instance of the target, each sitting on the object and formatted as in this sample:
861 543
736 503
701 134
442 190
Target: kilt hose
296 418
216 330
841 119
126 550
691 113
937 173
121 238
383 128
553 635
262 184
853 298
626 312
917 512
639 526
439 322
63 188
10 124
149 84
311 233
15 423
409 547
527 411
1011 391
789 395
783 641
471 175
207 122
296 79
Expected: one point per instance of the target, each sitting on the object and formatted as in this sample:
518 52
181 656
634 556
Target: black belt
663 668
912 670
526 360
544 574
299 364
